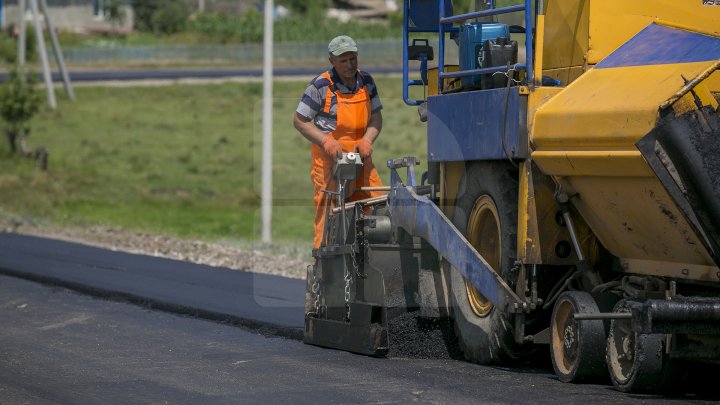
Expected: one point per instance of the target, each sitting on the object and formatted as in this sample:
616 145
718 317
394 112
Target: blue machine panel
424 15
467 126
657 45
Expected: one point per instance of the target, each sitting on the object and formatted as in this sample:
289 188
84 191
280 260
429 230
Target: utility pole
43 55
57 51
266 196
21 35
35 7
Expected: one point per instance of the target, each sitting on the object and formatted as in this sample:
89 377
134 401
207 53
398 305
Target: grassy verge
180 160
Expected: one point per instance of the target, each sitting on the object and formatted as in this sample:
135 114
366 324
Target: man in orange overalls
340 112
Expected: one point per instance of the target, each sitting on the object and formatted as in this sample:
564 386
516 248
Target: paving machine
571 198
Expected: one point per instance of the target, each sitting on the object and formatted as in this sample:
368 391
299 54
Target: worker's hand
364 146
332 147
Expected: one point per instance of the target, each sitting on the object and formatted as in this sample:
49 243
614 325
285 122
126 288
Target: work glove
364 146
332 147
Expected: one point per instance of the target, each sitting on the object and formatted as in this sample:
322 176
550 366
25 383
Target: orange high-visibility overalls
353 115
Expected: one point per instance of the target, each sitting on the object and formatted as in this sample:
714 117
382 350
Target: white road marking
71 321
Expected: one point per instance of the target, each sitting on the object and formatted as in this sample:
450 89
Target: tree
160 16
307 7
115 13
170 17
144 10
19 102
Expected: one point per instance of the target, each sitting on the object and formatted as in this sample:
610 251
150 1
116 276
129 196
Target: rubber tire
489 339
589 363
647 372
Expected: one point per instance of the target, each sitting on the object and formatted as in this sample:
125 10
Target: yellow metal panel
713 82
665 269
528 239
687 102
619 163
537 98
705 89
450 175
584 135
448 84
538 230
613 22
565 75
539 45
565 37
635 218
608 108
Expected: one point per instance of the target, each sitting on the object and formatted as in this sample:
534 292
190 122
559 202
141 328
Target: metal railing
377 52
445 26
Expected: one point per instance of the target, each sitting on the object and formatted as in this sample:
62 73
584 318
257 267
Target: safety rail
445 26
483 13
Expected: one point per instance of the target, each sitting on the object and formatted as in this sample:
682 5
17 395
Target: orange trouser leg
321 176
320 198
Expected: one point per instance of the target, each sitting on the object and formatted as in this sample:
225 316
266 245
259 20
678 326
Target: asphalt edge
263 328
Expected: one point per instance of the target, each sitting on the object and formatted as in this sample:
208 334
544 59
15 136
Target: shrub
307 7
19 101
115 13
160 16
144 10
227 28
170 17
248 28
8 45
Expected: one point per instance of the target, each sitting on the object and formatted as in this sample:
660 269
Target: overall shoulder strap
328 93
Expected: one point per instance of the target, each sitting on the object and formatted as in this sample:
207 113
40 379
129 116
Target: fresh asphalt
255 300
58 346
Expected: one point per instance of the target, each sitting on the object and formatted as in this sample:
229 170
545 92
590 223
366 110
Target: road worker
340 112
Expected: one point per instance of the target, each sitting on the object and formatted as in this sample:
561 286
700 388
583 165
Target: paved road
57 346
215 293
173 74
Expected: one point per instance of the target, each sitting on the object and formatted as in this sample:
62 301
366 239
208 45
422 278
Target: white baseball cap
341 44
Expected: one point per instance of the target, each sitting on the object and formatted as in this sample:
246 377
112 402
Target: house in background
70 15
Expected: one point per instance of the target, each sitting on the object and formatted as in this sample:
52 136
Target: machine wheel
576 346
486 213
635 361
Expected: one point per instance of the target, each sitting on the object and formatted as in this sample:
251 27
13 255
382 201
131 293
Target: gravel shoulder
282 259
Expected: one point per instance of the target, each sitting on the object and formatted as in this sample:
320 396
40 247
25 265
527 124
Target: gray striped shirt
312 104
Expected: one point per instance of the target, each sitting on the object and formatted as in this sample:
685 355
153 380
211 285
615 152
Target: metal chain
316 290
348 279
348 276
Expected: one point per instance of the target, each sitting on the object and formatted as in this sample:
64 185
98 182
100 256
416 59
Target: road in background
177 74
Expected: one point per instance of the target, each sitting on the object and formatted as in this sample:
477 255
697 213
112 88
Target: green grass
180 160
214 28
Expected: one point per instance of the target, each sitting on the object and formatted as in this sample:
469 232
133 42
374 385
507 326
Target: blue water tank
470 40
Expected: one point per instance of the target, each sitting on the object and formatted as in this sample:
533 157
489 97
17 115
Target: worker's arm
364 145
374 126
307 129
